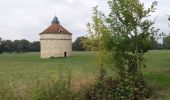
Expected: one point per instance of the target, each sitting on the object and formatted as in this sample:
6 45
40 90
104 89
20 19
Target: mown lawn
24 69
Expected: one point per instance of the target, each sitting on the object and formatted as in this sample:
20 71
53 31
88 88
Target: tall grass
47 88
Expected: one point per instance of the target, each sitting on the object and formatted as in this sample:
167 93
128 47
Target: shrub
129 88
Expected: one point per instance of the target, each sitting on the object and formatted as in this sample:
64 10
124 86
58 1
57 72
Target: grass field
25 69
158 73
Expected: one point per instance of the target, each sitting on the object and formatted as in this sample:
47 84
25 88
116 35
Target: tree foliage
122 37
166 42
7 46
0 45
77 44
19 46
126 32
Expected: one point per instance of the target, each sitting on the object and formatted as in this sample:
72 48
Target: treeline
154 45
19 46
161 46
23 45
77 44
166 42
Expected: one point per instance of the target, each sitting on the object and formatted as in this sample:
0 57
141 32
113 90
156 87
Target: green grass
25 69
157 73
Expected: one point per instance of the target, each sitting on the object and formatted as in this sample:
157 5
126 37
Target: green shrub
129 88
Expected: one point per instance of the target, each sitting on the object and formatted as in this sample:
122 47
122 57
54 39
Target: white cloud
26 19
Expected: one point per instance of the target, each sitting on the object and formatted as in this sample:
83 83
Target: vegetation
28 76
121 38
19 46
23 45
0 46
77 44
120 41
166 42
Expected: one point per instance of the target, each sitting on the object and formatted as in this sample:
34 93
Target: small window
60 31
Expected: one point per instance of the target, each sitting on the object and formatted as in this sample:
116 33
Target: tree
34 46
1 50
123 37
154 45
7 46
17 46
21 45
25 45
77 45
166 42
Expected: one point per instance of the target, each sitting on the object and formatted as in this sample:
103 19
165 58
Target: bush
129 88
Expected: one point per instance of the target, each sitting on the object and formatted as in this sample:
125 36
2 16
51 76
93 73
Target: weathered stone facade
55 41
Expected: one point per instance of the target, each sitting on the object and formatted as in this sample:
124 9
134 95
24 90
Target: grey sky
25 19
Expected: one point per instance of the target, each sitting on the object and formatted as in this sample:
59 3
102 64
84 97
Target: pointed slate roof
55 20
55 28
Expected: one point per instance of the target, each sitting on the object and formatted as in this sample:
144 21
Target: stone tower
55 41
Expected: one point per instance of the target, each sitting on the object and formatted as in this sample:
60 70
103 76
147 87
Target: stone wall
54 45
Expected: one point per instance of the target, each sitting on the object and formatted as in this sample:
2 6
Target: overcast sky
25 19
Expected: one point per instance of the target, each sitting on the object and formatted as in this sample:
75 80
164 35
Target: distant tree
17 46
21 45
77 44
154 45
166 42
25 45
1 46
34 46
7 46
159 46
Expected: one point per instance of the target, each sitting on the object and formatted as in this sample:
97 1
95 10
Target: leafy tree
1 46
158 46
166 42
19 46
123 37
34 46
7 46
25 45
77 45
154 45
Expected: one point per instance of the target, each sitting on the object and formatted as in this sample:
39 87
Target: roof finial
55 20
